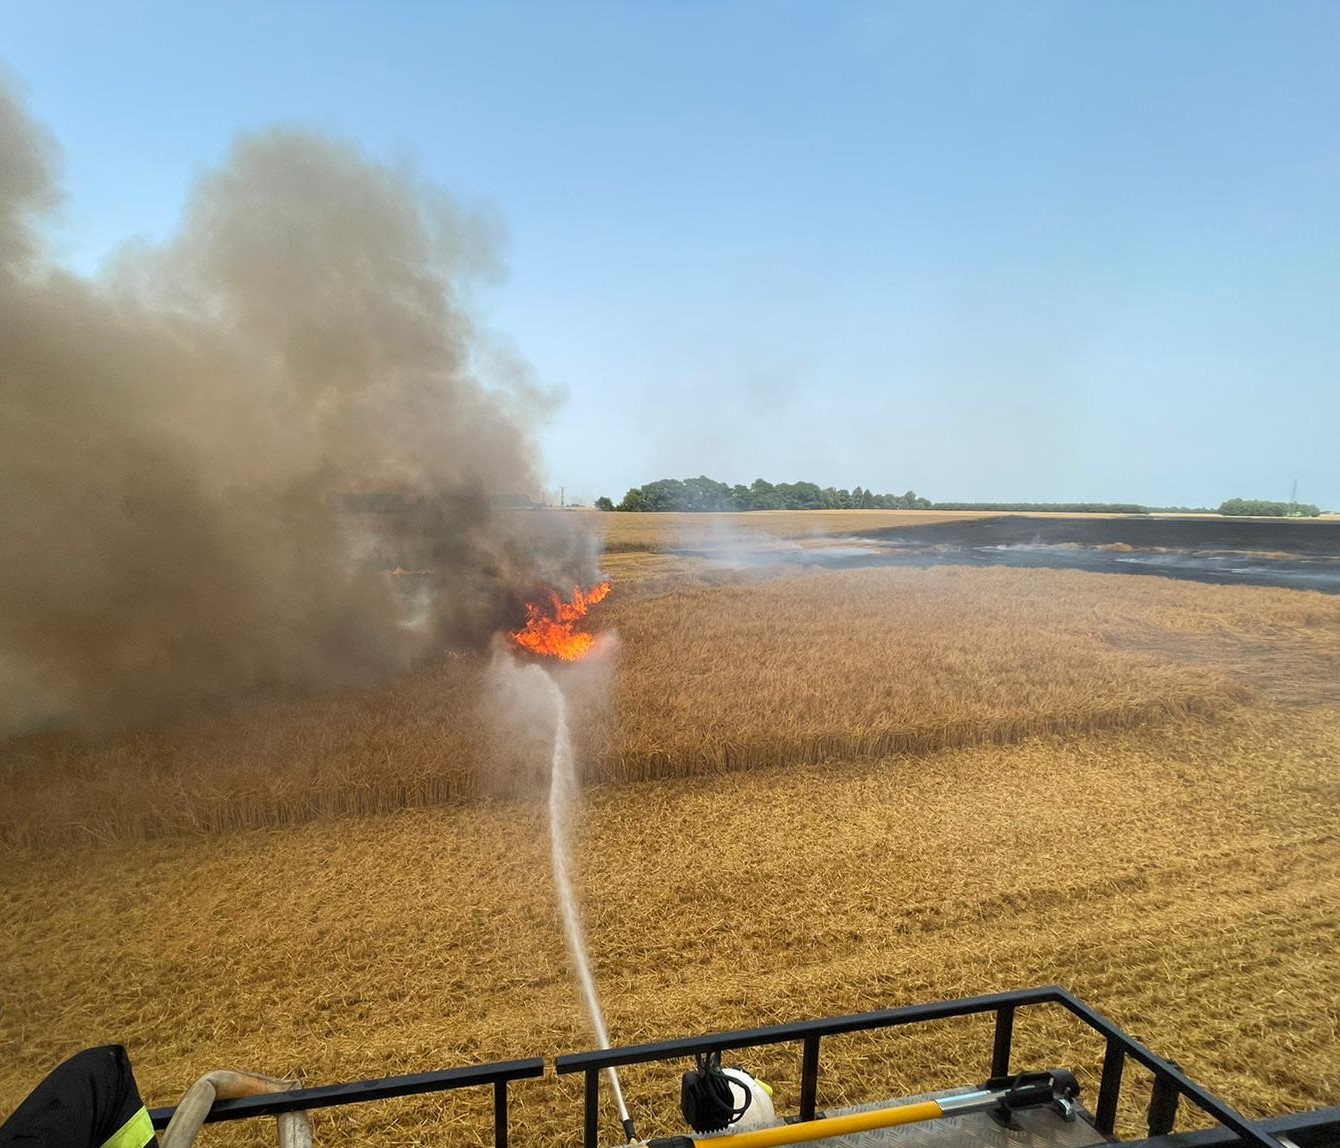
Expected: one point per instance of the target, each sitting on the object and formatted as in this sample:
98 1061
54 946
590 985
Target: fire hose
224 1084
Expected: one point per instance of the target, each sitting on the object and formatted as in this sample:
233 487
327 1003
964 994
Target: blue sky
996 251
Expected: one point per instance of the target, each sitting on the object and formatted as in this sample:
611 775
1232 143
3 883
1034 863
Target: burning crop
846 665
285 404
552 628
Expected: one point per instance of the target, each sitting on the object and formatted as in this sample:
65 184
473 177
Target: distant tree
603 503
706 494
664 494
799 496
703 493
1259 507
635 499
762 496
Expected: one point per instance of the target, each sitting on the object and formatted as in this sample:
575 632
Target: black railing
498 1075
1317 1129
1171 1084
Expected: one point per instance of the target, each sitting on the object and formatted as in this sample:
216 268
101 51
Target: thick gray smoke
211 458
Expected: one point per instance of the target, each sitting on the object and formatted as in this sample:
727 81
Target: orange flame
551 627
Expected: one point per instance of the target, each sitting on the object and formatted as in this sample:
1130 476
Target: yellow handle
822 1129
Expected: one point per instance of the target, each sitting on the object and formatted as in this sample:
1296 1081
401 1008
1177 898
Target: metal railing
497 1075
1171 1084
1317 1129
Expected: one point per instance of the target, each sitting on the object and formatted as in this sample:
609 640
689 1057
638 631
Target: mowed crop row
775 671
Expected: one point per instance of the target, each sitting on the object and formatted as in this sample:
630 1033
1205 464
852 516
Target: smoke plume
212 456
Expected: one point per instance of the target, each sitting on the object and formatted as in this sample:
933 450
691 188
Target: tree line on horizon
1264 508
703 494
706 494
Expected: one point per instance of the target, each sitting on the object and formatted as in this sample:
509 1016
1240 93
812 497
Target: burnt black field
1295 554
1303 537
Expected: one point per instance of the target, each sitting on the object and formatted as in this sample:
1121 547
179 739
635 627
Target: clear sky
1072 251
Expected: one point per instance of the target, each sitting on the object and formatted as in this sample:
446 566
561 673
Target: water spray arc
562 787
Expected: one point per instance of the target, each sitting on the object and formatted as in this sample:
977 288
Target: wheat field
808 794
1183 879
631 532
760 670
626 532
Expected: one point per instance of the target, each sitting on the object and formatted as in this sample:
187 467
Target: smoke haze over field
183 441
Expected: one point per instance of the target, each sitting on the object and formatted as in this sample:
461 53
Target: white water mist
562 792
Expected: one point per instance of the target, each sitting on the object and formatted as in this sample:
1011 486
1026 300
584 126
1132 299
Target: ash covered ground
1286 553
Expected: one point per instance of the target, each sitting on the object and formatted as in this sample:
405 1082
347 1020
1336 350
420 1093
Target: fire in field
552 631
551 628
856 853
326 753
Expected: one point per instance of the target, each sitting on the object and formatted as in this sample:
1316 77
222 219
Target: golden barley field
809 793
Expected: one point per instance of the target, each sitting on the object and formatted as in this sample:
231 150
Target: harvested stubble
1183 879
769 672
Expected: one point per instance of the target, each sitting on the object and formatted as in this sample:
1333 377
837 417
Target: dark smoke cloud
210 456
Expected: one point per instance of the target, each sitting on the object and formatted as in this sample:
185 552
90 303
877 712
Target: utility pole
1293 499
563 495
